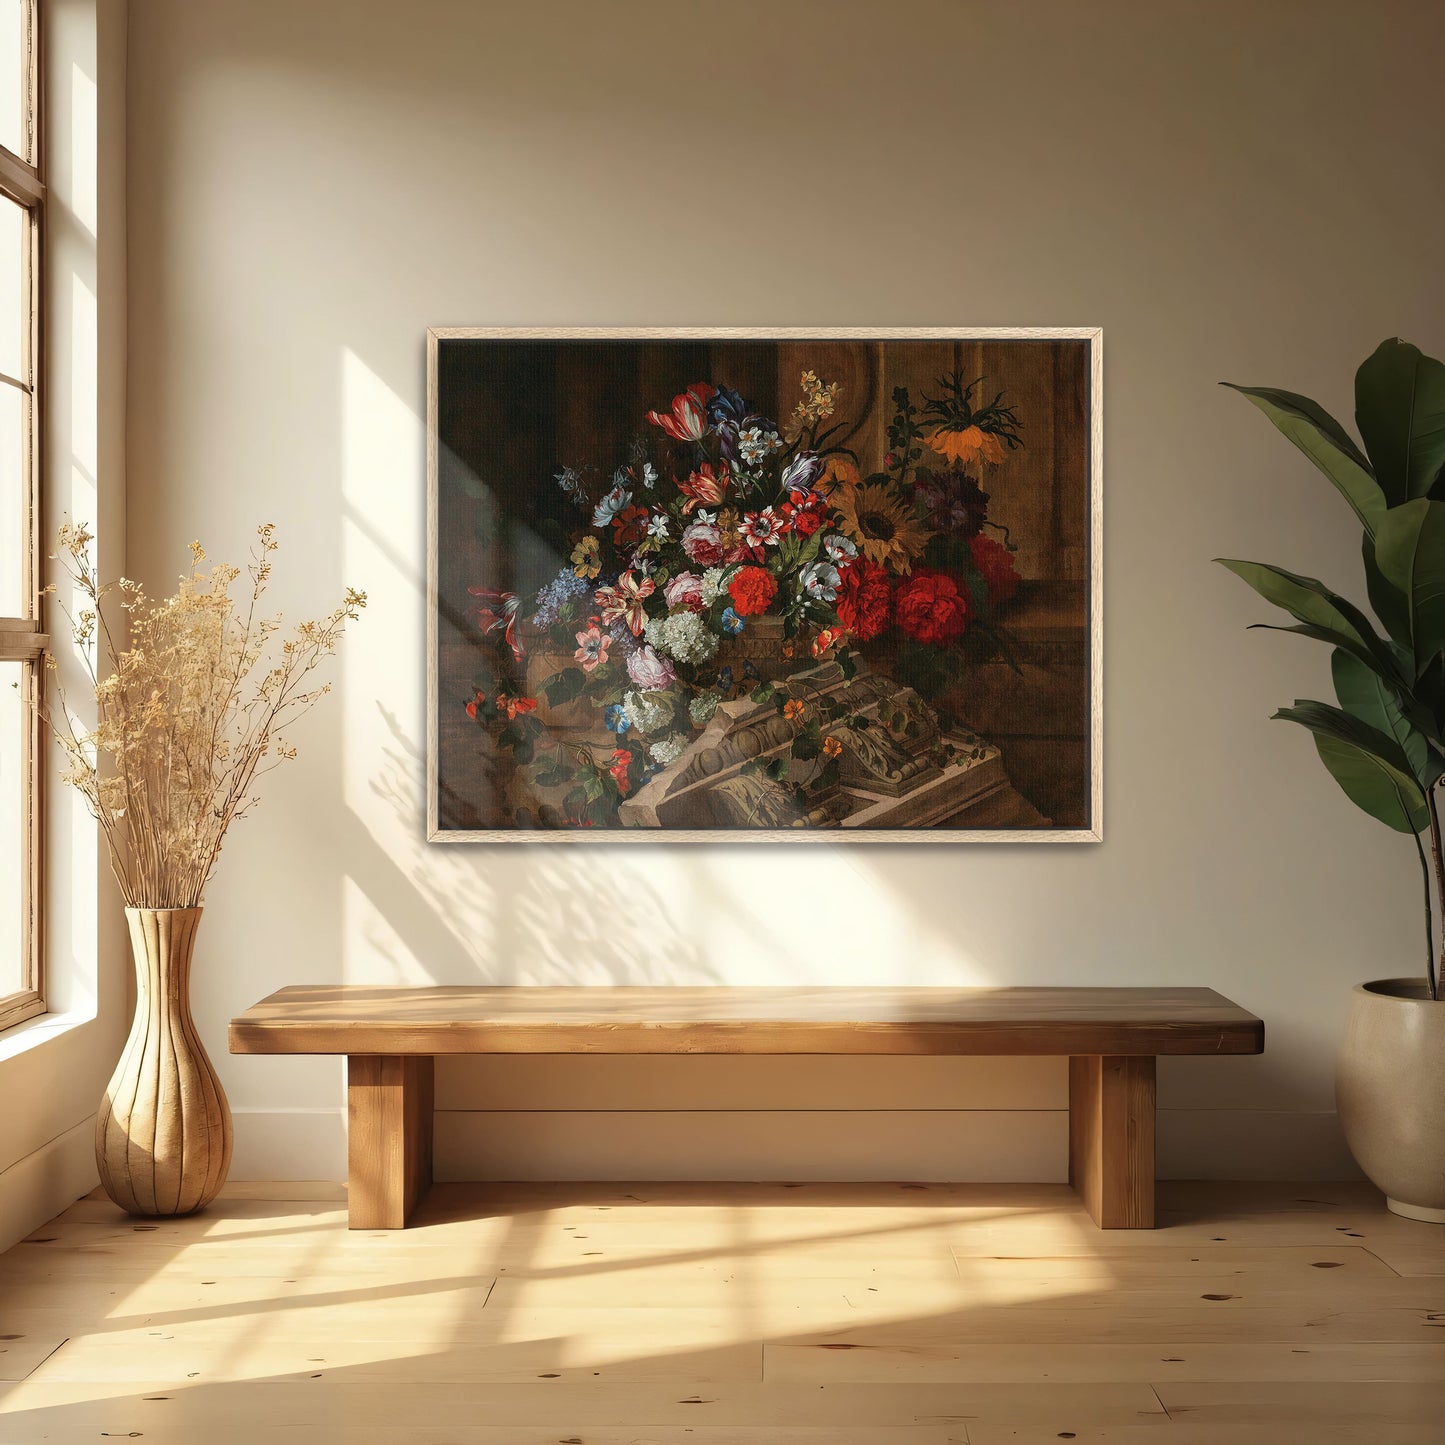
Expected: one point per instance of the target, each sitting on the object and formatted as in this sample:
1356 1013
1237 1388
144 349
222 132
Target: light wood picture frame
764 585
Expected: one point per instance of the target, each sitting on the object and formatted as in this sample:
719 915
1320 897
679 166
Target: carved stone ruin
902 771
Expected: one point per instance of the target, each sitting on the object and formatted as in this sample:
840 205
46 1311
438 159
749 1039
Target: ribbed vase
163 1134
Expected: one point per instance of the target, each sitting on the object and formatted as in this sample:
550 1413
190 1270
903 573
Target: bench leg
1111 1138
388 1137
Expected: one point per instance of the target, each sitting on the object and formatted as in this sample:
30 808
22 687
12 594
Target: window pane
13 678
14 489
14 293
14 73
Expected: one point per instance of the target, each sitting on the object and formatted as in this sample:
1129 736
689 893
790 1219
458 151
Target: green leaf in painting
1400 411
808 744
828 775
564 686
1326 443
1410 553
1369 766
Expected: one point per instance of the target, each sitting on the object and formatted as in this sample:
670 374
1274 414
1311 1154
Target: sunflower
878 520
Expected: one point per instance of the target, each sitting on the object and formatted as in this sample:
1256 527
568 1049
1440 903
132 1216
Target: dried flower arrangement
191 709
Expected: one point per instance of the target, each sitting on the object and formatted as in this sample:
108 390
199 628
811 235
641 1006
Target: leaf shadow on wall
570 923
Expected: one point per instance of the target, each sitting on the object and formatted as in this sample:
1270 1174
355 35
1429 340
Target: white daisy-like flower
820 580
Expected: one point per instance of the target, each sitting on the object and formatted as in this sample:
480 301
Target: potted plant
192 701
1383 740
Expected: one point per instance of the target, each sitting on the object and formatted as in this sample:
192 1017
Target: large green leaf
1388 601
1323 613
1400 410
1326 443
1410 553
1364 694
1369 766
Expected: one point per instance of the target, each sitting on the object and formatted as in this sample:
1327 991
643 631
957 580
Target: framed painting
758 585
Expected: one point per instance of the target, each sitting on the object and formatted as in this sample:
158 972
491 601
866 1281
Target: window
22 202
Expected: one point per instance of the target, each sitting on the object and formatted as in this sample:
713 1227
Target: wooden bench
390 1037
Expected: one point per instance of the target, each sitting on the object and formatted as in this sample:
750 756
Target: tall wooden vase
163 1134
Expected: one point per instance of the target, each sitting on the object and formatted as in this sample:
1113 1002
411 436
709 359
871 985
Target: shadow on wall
534 912
567 924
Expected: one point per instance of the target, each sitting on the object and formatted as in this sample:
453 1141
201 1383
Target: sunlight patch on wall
84 162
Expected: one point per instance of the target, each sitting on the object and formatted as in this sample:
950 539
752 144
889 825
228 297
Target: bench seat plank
358 1019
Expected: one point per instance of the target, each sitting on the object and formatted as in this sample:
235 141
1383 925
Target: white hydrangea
647 711
712 584
683 636
703 706
669 749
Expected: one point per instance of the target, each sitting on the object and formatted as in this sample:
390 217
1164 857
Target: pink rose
685 590
649 671
703 544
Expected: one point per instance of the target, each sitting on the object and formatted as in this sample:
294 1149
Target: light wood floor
723 1314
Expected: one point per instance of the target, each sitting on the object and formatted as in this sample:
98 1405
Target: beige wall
1238 190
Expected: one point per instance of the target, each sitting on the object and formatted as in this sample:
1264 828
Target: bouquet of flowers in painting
746 629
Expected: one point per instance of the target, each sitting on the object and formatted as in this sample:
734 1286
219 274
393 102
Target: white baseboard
1012 1145
41 1185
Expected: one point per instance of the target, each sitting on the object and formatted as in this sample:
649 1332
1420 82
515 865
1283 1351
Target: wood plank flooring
729 1314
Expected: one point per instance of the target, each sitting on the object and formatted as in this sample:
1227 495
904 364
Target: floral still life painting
727 584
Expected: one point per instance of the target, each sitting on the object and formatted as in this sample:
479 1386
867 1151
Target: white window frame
22 639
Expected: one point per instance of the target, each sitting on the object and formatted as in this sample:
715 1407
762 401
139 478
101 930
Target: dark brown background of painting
512 413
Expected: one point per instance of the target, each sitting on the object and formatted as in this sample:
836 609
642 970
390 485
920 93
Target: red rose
864 599
752 589
932 607
703 544
996 564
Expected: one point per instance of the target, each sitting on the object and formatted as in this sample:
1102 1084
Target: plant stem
1433 979
1429 918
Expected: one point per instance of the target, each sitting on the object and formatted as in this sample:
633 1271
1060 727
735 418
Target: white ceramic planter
1390 1090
